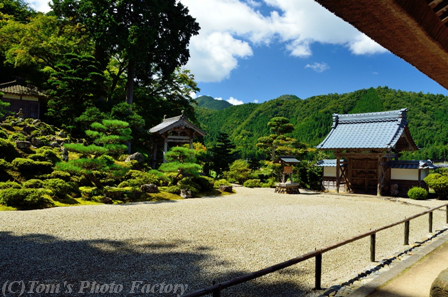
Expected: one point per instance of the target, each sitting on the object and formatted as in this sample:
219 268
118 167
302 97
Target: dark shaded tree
147 38
222 154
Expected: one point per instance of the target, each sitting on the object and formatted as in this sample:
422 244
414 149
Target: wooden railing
317 254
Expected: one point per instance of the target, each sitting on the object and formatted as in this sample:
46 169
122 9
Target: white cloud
255 101
230 28
39 5
234 101
318 67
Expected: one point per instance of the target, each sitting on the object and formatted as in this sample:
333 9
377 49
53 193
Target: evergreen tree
222 154
277 143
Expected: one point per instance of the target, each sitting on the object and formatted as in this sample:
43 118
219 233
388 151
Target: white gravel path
197 241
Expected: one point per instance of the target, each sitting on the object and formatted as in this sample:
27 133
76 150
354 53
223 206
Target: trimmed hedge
252 183
417 193
439 183
30 167
25 198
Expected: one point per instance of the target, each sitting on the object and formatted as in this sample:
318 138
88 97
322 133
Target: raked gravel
161 246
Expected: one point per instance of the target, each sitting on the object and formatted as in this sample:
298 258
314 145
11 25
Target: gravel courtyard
174 247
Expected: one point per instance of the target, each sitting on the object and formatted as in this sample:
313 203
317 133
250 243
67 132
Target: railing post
372 247
430 219
318 272
406 233
447 214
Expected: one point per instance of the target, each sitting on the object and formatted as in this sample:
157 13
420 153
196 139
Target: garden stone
149 188
64 155
28 129
137 157
36 121
23 145
36 142
225 188
185 193
62 134
439 287
55 144
107 200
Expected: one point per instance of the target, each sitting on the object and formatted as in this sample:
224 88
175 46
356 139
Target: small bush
60 174
7 150
33 184
439 183
5 165
417 193
58 187
238 172
252 183
3 134
270 183
46 153
136 178
173 190
108 159
30 167
87 193
25 198
123 194
221 182
10 185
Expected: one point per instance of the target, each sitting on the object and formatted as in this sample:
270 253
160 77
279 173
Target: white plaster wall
404 174
330 171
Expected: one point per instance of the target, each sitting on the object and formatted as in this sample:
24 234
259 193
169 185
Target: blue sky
257 50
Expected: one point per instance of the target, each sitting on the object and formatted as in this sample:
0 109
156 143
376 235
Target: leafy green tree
75 85
277 143
148 37
239 172
109 134
19 9
181 160
222 154
3 106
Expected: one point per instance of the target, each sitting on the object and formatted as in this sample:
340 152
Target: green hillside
312 118
211 103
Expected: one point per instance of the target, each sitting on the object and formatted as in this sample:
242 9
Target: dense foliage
312 118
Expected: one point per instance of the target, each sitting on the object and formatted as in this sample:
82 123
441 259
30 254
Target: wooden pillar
380 175
165 148
338 174
154 155
419 178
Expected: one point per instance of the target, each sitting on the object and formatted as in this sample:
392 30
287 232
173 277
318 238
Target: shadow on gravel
43 265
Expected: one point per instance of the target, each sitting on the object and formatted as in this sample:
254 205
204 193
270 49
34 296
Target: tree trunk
130 83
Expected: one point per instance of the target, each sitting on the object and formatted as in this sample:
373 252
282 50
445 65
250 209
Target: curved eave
410 29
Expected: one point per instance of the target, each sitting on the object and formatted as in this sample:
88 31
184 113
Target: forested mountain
211 103
312 118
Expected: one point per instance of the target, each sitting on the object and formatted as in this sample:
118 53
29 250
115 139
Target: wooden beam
338 169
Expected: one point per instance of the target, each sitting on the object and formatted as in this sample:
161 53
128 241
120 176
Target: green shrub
123 194
252 183
238 172
108 159
136 178
3 134
46 153
59 187
10 185
33 184
25 198
30 167
88 192
221 182
270 183
60 174
439 183
173 190
8 150
417 193
16 137
5 164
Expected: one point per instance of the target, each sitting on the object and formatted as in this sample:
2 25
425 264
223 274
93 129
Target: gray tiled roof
376 130
289 160
400 164
330 163
170 123
414 164
17 88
